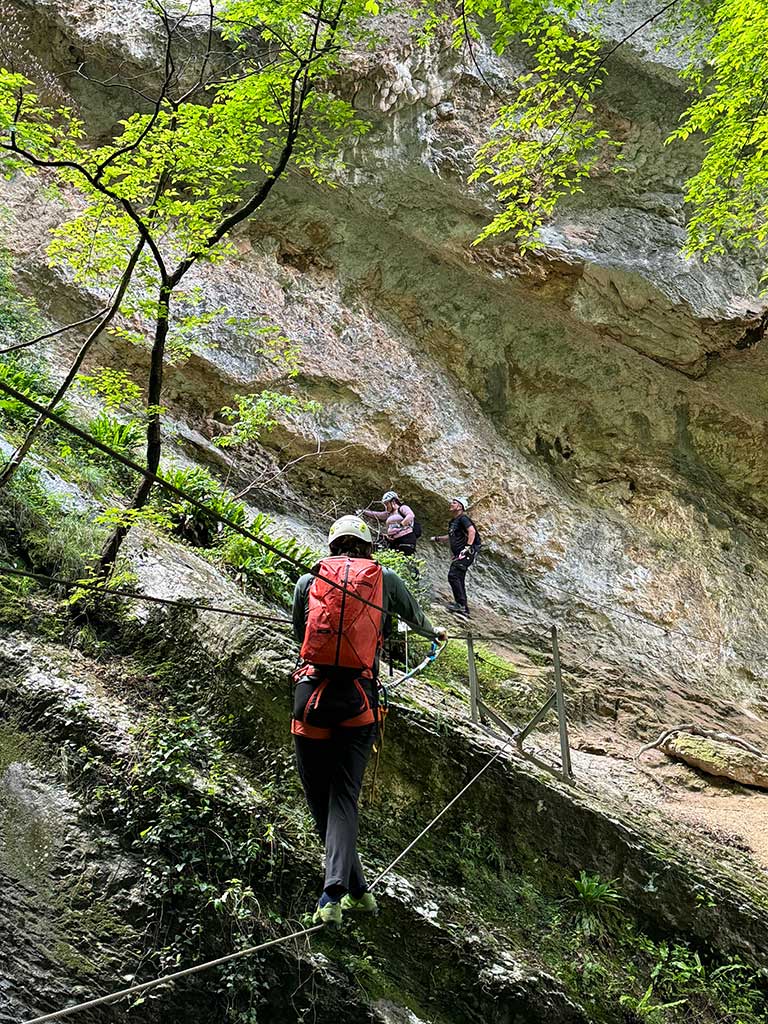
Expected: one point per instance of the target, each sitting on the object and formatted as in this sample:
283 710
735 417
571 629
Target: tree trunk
112 545
20 454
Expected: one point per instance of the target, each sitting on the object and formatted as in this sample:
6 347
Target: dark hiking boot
459 609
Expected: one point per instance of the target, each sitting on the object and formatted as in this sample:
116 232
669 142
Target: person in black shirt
464 541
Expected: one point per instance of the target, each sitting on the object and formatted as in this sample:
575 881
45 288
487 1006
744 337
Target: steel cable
144 986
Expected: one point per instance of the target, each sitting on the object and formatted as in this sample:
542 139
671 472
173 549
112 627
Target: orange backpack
341 631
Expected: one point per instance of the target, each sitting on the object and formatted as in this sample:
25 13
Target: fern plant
24 374
264 570
123 438
198 527
593 904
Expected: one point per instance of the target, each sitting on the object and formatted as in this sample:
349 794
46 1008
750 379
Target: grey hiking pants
331 772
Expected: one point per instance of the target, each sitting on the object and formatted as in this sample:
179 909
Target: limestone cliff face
602 403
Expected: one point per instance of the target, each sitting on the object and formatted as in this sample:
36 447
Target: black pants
331 772
406 544
456 577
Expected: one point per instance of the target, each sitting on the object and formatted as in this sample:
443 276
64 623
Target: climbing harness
346 702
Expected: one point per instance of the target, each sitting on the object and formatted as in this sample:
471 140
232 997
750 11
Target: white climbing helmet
350 526
389 496
464 502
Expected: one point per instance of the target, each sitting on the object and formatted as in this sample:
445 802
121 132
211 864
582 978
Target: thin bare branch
468 40
265 481
111 312
53 334
110 83
206 58
13 147
117 154
597 67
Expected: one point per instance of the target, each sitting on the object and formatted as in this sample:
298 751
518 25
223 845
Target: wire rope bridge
135 990
481 715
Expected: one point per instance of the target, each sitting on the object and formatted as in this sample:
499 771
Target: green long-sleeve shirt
396 598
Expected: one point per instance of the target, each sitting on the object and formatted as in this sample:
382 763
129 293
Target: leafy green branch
178 178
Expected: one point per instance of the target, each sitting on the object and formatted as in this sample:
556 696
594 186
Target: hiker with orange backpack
339 622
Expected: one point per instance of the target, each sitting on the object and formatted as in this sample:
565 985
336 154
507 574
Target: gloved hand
434 539
465 552
441 636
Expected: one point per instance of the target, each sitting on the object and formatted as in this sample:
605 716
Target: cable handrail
274 549
190 499
194 604
144 986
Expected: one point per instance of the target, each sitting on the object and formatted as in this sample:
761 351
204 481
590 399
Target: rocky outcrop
72 904
438 952
602 403
724 760
428 758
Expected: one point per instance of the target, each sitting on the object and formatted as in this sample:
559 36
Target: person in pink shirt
401 529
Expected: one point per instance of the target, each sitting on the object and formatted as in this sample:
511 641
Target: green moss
31 837
19 317
36 529
16 745
501 684
212 845
89 921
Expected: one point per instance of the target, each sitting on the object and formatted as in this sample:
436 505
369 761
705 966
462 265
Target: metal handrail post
540 715
473 694
565 749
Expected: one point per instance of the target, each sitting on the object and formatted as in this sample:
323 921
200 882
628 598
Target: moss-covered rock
719 758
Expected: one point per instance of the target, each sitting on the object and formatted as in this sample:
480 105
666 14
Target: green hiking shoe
365 905
330 914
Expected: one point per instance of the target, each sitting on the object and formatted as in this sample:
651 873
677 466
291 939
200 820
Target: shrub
256 413
255 566
409 568
114 387
27 375
193 524
96 470
14 595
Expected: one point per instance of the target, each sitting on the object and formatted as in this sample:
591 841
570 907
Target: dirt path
731 816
